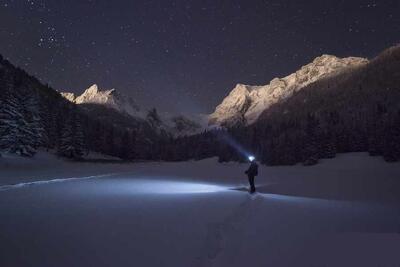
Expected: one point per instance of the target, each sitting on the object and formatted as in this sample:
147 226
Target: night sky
185 56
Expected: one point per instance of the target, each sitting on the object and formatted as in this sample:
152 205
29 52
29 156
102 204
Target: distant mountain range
331 105
176 125
245 103
242 106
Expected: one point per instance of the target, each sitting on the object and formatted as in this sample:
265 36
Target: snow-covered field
342 212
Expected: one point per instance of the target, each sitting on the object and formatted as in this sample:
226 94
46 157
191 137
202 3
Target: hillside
34 115
356 110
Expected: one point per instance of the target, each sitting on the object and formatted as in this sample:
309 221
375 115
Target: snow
245 102
69 96
110 98
45 166
198 213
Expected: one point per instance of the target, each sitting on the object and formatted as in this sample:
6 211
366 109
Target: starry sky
185 56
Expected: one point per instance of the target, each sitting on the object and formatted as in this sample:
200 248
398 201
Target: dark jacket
252 170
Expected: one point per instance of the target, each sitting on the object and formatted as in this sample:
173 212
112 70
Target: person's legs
253 187
251 182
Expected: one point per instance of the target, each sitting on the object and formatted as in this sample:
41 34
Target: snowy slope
199 214
345 168
245 103
47 166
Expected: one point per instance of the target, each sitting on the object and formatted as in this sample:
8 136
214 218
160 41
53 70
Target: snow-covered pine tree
34 119
20 130
72 138
49 122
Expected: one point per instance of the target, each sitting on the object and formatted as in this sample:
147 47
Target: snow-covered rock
111 98
245 102
69 96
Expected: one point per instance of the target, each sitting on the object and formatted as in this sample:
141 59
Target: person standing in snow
252 172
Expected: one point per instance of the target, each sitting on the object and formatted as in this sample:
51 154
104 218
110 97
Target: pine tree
126 150
72 138
330 148
34 120
311 145
20 127
391 144
49 122
376 132
109 139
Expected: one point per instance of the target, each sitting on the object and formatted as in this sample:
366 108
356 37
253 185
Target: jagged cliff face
110 98
245 103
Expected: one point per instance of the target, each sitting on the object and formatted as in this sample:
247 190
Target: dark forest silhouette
356 110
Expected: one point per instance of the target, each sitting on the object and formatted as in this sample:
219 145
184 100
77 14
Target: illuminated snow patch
172 187
150 185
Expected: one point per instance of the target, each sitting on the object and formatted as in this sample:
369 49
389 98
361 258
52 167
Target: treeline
33 115
357 110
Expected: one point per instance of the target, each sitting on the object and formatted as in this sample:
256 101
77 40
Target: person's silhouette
252 172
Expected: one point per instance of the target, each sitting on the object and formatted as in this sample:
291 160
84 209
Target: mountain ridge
108 97
245 103
175 125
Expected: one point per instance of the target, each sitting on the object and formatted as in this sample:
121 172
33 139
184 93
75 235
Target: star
182 46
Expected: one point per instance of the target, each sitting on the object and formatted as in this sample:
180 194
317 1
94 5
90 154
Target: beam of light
150 185
251 158
228 139
173 187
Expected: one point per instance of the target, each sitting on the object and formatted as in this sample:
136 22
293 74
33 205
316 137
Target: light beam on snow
174 187
155 186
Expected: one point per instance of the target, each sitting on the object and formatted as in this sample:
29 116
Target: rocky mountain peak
111 98
94 89
245 102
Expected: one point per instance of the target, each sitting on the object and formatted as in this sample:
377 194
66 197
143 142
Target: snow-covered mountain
245 103
176 125
110 98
